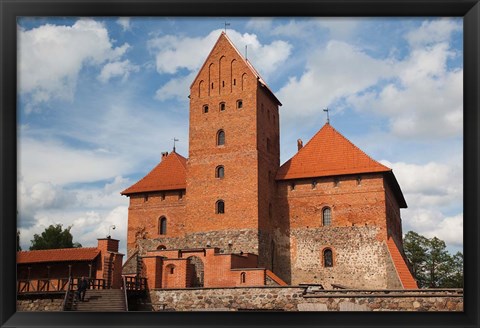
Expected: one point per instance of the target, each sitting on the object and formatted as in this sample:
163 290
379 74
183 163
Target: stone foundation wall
294 299
245 240
359 258
40 303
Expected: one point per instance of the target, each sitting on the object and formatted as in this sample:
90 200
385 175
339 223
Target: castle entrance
196 270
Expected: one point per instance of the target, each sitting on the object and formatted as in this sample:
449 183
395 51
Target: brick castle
230 215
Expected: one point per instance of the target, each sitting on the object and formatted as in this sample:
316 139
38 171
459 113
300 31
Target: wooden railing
55 285
42 285
135 283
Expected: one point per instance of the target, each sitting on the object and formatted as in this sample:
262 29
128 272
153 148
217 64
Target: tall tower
234 154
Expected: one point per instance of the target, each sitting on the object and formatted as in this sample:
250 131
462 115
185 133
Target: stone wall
245 240
295 299
359 258
53 302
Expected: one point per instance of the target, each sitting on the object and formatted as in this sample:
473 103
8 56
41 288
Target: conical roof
169 174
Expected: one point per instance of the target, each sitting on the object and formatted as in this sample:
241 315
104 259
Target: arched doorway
196 270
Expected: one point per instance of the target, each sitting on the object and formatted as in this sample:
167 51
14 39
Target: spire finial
174 140
226 24
328 116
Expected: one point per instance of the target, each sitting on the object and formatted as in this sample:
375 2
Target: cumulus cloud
51 161
89 210
117 69
176 52
431 32
431 185
124 22
176 88
50 58
433 223
336 71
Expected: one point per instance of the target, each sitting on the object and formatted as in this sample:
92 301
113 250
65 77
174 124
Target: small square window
359 181
163 196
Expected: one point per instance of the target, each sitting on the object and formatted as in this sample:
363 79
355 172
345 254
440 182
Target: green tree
54 237
432 265
416 250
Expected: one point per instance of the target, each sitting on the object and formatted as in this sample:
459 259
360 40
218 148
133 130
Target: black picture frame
10 10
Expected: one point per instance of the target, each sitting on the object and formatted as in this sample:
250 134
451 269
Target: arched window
162 230
222 106
239 104
171 268
161 247
243 277
205 109
326 216
220 207
220 137
219 172
327 258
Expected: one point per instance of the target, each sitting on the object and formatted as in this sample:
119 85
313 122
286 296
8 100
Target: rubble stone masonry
295 299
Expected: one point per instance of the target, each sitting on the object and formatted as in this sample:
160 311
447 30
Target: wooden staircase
102 300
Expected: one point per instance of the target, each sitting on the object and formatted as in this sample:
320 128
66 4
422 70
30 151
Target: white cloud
432 223
58 164
174 53
336 71
50 57
431 32
117 69
178 88
260 23
430 185
124 22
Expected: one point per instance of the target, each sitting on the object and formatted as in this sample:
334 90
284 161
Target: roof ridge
358 148
57 249
339 156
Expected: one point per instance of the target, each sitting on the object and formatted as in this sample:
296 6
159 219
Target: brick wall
144 216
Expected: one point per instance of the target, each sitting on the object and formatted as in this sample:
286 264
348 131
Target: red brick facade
272 211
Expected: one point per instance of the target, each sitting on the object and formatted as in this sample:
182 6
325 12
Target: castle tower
233 154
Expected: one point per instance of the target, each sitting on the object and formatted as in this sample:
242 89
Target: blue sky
100 99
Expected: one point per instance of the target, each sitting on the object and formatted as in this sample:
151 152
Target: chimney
107 245
164 155
299 144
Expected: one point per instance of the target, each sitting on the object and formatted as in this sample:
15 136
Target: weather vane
174 140
226 24
328 117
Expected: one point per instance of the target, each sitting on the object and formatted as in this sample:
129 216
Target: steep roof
328 153
58 255
169 174
223 36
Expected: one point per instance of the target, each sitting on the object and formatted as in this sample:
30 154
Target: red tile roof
58 255
406 277
169 174
328 153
